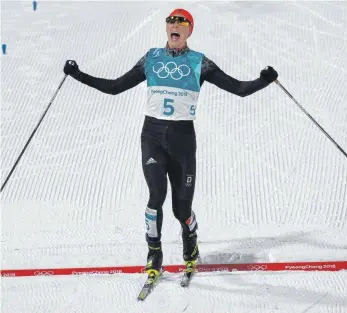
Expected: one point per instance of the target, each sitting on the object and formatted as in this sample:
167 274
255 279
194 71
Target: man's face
177 34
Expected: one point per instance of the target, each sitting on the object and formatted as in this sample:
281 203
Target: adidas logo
150 161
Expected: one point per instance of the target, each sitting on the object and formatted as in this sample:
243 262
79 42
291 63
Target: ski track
221 292
270 186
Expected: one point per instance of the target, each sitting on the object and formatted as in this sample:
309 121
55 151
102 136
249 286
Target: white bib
171 103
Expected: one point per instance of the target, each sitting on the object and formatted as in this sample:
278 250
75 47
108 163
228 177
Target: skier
174 75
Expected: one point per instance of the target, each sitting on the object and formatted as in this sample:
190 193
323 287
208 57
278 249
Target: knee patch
151 218
191 222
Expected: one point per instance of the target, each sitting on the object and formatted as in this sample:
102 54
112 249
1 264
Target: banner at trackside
327 266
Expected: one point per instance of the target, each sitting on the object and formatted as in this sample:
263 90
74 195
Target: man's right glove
269 74
71 68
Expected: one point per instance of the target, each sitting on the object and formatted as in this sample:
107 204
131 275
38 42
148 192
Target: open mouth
175 36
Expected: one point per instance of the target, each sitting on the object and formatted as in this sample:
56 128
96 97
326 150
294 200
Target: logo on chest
176 72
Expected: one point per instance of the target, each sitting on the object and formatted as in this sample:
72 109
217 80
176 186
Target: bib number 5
192 109
168 107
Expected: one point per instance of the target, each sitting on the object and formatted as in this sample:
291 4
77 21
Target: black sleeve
214 75
115 86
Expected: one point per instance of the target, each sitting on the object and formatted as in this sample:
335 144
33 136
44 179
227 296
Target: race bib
171 103
173 85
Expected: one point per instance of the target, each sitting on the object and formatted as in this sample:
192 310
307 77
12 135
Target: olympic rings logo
257 267
171 69
43 273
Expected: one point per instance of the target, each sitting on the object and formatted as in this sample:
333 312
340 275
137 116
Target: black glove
269 74
71 68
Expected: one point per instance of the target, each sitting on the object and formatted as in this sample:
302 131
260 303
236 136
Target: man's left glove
269 74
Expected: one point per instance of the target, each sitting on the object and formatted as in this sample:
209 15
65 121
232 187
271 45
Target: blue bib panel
182 72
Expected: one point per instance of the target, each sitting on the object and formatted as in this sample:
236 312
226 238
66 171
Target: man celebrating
174 77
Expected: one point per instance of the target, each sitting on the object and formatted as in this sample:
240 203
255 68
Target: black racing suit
169 147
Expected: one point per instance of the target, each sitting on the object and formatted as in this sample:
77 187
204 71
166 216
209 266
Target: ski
186 279
148 286
188 274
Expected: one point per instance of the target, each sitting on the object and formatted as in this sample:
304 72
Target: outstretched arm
111 86
214 75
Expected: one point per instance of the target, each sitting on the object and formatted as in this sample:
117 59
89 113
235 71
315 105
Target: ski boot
190 247
190 256
153 269
154 259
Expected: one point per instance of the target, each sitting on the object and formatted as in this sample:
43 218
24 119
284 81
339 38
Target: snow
270 186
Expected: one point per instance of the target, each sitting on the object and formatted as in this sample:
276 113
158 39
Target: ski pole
320 127
32 134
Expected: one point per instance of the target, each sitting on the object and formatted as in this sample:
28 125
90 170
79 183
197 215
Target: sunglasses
182 21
